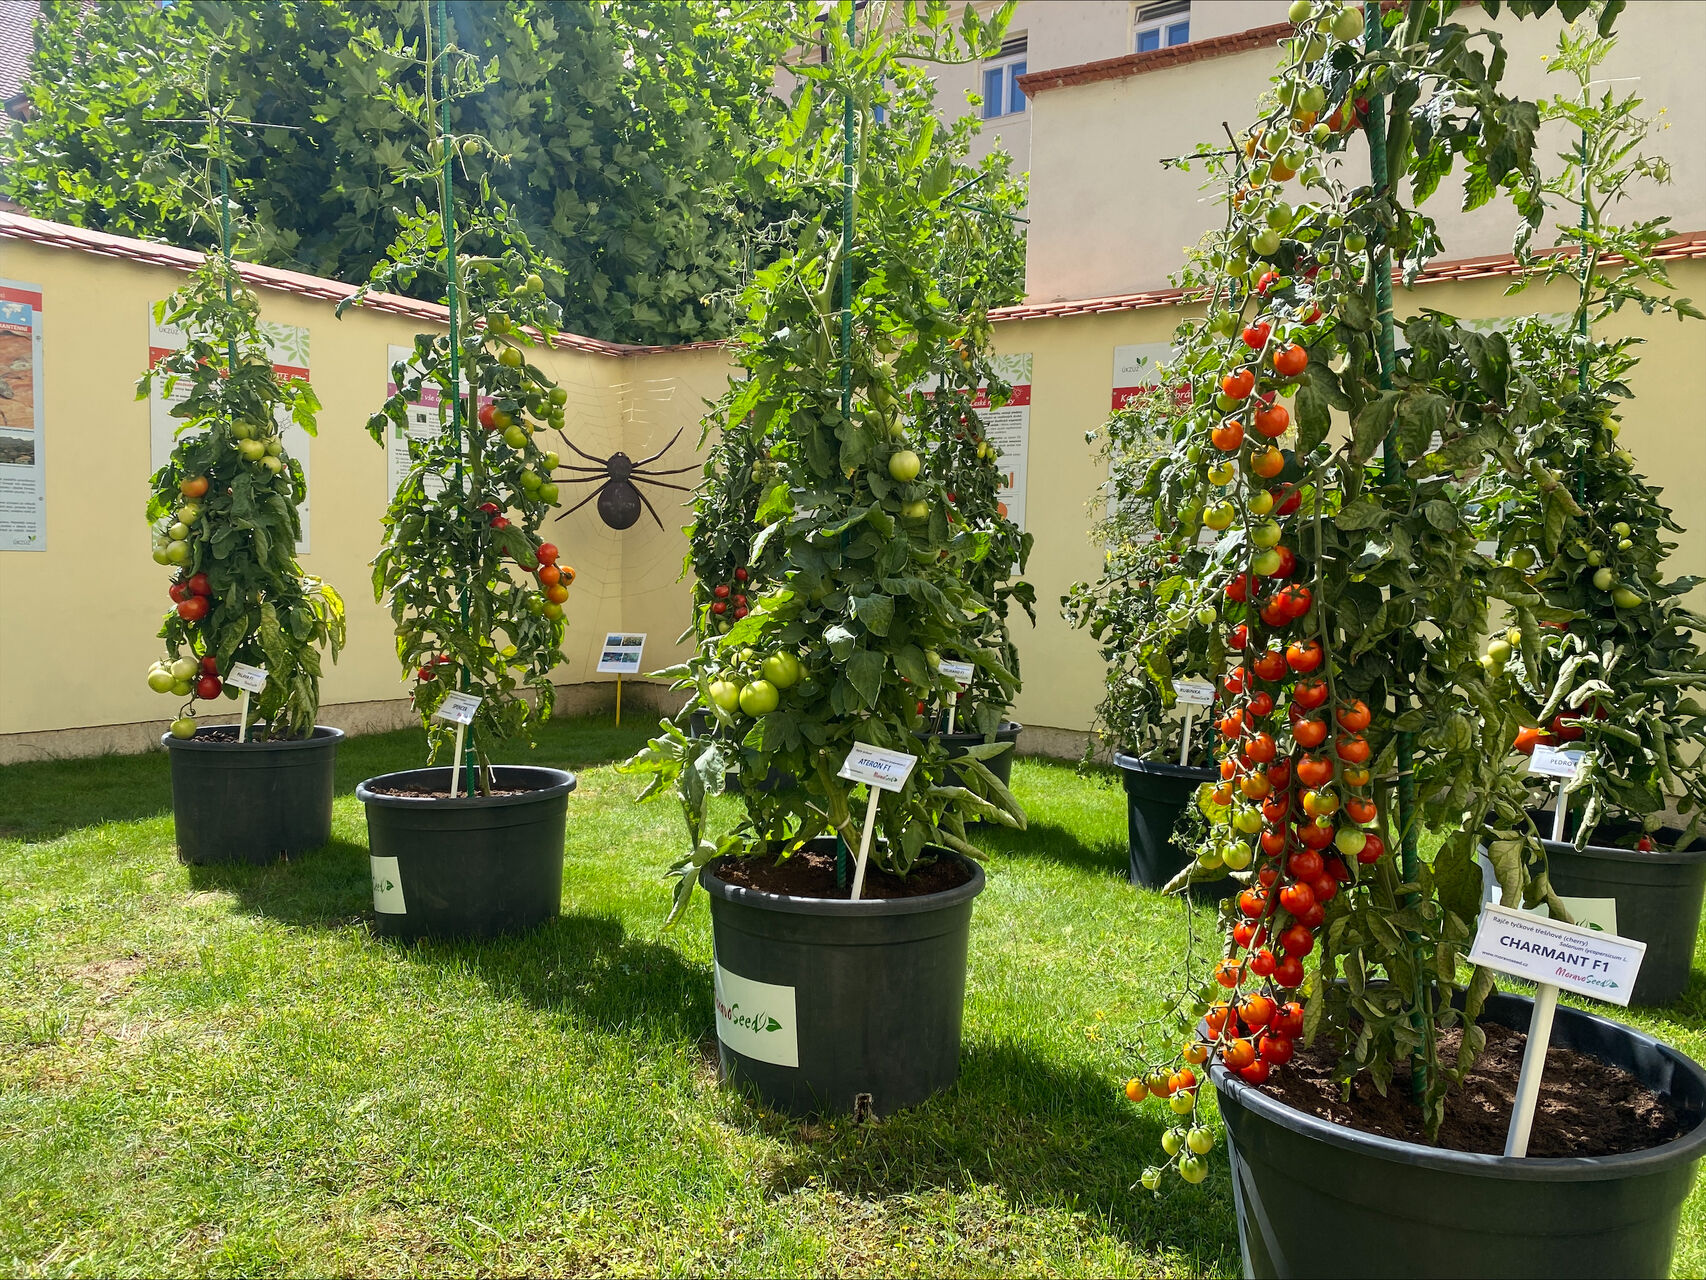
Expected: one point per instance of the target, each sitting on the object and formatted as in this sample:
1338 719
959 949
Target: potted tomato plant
225 521
1608 655
1154 623
840 940
468 847
1336 996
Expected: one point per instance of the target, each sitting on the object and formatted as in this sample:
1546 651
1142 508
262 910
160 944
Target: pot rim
323 735
1136 764
1616 853
1682 1149
1005 731
865 908
564 783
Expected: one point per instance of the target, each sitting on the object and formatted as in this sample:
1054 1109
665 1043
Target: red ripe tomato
1239 588
1262 748
1268 462
1238 1054
1255 786
207 688
739 599
1254 1010
1280 774
740 613
1305 864
1271 665
199 585
1234 682
1262 963
1309 734
1360 809
1311 836
1313 771
1256 335
720 607
179 591
1229 973
1325 887
500 522
1232 723
1273 839
1290 497
549 575
1303 656
1228 435
1266 877
1238 637
547 553
490 508
1267 281
1182 1079
1276 1051
1313 917
1243 933
1354 717
487 415
1290 361
1228 768
1256 1073
209 665
1274 612
1297 598
1288 1021
1236 386
1309 694
1261 703
1565 728
1252 902
1297 898
1527 738
1297 941
1289 972
740 575
1274 421
1352 748
1287 566
193 608
721 591
1372 849
427 673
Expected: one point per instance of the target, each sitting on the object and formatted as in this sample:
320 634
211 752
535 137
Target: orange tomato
1268 463
1273 421
1228 436
1354 717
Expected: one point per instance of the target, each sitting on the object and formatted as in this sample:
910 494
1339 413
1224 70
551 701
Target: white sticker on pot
757 1018
1555 762
387 887
958 672
1570 956
1194 693
1598 914
243 676
458 708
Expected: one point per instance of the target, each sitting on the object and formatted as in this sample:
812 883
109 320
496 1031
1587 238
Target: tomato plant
462 566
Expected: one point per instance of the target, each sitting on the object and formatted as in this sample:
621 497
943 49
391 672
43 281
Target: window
1001 93
1160 26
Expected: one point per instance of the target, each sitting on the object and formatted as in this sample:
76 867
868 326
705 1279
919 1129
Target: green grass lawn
224 1072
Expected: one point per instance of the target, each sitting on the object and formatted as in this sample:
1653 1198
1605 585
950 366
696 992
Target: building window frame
998 82
1161 26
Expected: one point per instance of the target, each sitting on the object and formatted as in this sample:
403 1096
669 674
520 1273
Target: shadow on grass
1041 1131
1049 841
328 888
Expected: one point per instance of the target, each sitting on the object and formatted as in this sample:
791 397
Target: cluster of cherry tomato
729 599
192 596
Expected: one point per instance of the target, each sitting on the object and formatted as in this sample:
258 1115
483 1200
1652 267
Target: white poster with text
23 473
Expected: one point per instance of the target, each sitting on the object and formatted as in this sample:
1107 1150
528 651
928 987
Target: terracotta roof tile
1137 64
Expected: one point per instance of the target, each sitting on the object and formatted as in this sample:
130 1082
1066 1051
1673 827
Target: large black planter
1000 765
835 1006
251 801
1156 794
469 866
1658 897
1319 1199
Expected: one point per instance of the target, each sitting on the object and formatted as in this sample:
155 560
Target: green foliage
864 572
241 532
631 140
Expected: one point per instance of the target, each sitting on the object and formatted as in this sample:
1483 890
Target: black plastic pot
1658 895
1000 765
840 1007
1319 1199
1156 794
251 801
468 867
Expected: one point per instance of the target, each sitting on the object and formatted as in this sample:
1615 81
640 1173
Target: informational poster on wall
23 473
428 417
287 345
1137 369
1008 430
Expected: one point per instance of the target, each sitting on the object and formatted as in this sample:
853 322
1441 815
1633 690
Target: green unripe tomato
1266 534
183 727
759 698
275 448
177 552
1151 1179
1319 134
530 481
160 556
160 680
1207 617
1219 516
549 460
915 510
1314 98
1236 856
1522 558
1200 1140
510 357
726 694
1624 598
1182 1103
189 513
515 437
1279 217
1604 579
558 397
1499 651
1299 13
1355 241
1173 1141
1193 1169
1267 242
552 611
904 465
181 688
547 492
273 465
1349 841
1249 821
1624 544
1596 556
1621 529
1348 25
534 284
184 669
178 531
782 670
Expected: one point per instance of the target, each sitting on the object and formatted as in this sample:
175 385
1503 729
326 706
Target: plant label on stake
1551 955
458 709
880 770
1560 763
249 680
960 673
621 655
1191 695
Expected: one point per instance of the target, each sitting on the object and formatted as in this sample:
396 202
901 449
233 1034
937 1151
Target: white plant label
886 770
1583 960
959 672
756 1019
457 708
1194 693
1555 762
387 887
243 676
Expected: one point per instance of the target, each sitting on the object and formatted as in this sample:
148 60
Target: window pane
1147 40
992 93
1016 100
1178 33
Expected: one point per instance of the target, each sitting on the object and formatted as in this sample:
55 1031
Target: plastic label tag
1555 762
458 708
1583 960
880 768
1194 693
959 672
243 676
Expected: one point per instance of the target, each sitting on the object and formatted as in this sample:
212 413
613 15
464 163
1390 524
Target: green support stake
841 852
1392 465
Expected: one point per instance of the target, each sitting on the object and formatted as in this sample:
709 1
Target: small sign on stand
249 680
1553 956
880 770
621 656
960 673
1191 694
1559 763
457 709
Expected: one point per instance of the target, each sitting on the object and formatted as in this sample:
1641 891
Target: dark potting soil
811 874
1587 1107
230 735
431 793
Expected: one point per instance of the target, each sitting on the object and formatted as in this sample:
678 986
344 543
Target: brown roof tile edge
1137 64
59 235
1682 247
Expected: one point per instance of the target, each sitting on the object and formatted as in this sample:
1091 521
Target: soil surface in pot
811 874
230 735
1587 1107
433 793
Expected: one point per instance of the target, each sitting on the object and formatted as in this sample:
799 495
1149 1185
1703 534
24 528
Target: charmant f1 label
756 1019
1586 961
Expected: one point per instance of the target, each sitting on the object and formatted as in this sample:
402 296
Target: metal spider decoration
618 494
